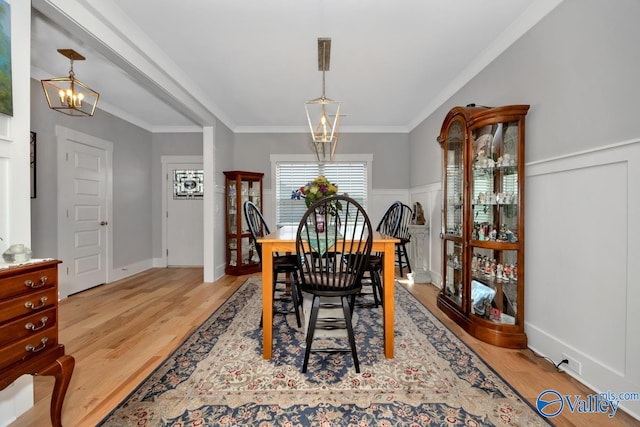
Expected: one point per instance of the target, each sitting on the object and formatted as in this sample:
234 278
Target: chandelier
69 95
323 113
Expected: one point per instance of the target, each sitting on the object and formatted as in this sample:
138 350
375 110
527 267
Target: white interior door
84 222
185 217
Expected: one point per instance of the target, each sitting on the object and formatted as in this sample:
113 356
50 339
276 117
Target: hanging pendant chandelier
323 113
69 95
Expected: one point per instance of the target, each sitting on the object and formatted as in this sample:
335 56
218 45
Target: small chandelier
320 111
69 95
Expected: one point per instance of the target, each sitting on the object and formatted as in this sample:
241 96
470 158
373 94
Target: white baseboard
15 400
593 371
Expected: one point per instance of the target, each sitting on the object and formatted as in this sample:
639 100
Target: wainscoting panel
583 264
576 257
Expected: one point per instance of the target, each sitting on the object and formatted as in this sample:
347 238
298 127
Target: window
350 175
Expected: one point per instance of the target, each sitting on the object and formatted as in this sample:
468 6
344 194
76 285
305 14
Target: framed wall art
6 90
32 164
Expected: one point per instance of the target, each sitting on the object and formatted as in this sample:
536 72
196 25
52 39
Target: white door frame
166 160
62 135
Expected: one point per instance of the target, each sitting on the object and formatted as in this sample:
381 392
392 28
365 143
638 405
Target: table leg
61 370
388 271
267 299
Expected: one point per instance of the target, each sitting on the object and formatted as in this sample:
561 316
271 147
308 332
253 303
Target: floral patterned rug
218 377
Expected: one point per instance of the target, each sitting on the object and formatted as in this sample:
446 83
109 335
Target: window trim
367 158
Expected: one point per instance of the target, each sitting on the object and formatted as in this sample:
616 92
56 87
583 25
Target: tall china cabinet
241 186
483 222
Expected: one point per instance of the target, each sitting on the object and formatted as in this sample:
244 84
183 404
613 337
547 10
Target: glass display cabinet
240 186
483 222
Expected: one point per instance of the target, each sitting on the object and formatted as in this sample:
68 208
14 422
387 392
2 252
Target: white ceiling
174 64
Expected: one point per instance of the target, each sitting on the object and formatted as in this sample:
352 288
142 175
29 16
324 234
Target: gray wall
137 181
578 69
224 154
167 144
390 154
131 180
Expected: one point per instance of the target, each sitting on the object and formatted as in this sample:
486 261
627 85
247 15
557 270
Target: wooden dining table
284 240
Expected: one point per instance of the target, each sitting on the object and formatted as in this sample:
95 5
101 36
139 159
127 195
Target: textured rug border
488 365
175 351
251 278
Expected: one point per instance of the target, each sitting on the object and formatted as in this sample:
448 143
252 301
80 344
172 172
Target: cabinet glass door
232 209
454 170
453 210
494 182
494 285
495 195
453 272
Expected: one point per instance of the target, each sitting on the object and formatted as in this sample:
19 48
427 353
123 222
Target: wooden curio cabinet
240 186
483 222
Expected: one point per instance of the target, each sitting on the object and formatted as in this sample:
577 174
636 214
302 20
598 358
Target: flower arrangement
315 190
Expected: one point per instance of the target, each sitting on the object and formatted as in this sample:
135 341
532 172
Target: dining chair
282 264
389 224
344 230
404 236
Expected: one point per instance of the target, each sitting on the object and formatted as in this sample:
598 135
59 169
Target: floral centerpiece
315 190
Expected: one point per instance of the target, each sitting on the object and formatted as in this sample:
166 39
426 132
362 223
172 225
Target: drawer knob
33 285
30 305
33 349
32 327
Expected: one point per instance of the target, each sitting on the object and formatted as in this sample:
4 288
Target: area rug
217 376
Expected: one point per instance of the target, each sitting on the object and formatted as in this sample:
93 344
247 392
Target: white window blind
350 177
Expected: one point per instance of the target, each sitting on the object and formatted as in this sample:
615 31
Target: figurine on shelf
487 308
493 235
499 272
507 271
418 213
502 234
482 161
509 236
482 198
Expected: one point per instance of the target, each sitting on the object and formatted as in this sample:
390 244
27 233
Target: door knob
103 223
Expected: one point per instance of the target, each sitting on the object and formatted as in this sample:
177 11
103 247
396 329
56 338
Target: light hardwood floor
119 332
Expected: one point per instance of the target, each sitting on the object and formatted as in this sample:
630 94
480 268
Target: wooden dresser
29 329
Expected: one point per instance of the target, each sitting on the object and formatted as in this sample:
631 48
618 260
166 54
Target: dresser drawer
28 347
28 282
27 325
27 304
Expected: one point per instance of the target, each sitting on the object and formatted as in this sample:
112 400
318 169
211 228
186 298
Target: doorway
84 210
183 189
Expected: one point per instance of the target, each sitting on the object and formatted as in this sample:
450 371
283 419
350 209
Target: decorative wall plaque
188 184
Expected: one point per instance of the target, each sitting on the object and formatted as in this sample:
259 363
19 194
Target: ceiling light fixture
323 113
69 95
